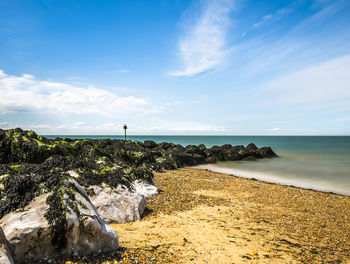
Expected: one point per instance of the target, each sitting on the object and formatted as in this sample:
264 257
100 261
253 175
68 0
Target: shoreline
267 179
203 216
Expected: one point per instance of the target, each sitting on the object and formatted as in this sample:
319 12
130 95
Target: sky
175 67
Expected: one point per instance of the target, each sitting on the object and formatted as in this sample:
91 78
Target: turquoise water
315 162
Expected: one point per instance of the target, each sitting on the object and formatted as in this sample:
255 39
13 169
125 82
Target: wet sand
208 217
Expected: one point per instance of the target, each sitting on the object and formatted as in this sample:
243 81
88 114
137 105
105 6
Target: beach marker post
125 128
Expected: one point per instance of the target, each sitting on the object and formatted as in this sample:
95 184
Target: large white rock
144 188
27 230
30 237
121 205
118 205
5 254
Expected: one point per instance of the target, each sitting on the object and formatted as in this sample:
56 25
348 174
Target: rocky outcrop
108 161
44 209
76 229
5 253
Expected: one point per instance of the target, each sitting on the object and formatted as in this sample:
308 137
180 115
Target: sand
208 217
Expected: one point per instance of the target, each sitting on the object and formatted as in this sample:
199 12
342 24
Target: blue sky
228 67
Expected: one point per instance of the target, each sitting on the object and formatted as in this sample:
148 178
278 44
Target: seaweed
56 214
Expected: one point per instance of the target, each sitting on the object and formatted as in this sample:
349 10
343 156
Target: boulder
252 150
76 227
267 152
150 144
119 205
28 231
210 159
192 149
122 205
144 188
5 253
166 145
251 147
167 162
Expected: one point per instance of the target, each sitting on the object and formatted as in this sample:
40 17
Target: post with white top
125 128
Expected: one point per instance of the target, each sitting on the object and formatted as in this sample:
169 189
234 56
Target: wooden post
125 128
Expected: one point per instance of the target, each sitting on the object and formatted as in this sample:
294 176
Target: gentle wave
307 173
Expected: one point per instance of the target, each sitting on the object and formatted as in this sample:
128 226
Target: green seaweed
160 159
16 168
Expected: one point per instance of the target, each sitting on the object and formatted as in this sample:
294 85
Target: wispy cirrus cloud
276 16
165 126
322 85
203 45
307 42
26 93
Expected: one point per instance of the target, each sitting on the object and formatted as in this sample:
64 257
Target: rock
150 144
167 162
144 188
87 232
251 148
166 145
192 149
251 151
28 230
211 159
267 152
215 151
84 232
119 205
5 253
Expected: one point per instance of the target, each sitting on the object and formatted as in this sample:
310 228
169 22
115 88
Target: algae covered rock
5 253
71 227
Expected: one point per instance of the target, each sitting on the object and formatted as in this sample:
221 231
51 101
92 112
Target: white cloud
326 84
278 15
305 43
274 129
26 93
179 126
262 21
79 123
202 47
108 125
154 126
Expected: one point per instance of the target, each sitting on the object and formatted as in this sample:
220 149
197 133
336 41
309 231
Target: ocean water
314 162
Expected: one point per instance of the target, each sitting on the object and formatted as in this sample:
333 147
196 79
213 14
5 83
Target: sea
312 162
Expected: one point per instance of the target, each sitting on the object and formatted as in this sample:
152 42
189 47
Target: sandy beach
208 217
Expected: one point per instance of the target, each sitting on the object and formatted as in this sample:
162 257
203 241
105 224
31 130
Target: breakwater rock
79 228
61 191
5 254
